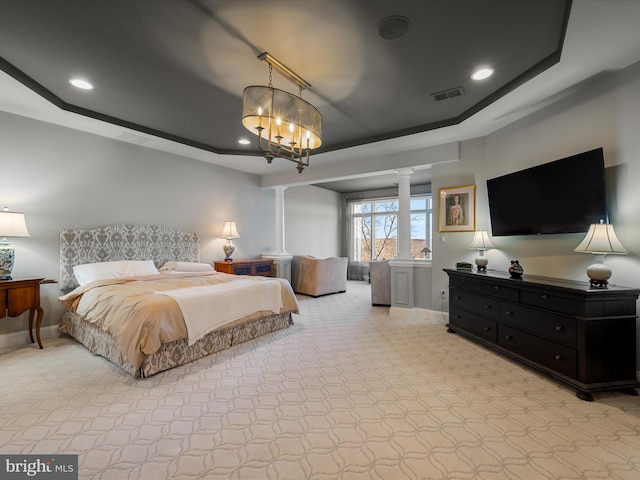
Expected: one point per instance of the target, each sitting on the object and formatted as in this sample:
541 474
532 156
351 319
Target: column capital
404 172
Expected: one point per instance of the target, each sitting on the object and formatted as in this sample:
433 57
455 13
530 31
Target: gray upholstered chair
380 275
318 276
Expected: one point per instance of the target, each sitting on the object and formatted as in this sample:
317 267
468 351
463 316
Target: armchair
318 276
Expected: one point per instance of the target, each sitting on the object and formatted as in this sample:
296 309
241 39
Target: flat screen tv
564 196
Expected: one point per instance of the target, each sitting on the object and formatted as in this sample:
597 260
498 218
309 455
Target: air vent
394 27
451 93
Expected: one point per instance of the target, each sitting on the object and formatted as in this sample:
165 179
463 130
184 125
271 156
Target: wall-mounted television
564 196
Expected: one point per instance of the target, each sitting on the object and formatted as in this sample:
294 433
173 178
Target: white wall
313 221
603 112
62 178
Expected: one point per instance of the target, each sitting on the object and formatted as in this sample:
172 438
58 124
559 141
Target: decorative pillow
119 269
186 267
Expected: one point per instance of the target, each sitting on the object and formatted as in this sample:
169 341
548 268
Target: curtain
356 270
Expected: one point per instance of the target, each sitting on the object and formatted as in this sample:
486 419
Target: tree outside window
375 228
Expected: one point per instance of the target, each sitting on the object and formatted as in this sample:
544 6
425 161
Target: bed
168 309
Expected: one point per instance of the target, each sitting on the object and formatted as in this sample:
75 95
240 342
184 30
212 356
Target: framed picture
457 209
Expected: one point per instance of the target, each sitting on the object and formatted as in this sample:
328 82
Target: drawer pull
559 357
458 316
457 297
487 307
544 297
486 329
508 313
508 337
559 328
497 287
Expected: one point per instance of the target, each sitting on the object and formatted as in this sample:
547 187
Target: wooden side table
19 295
253 266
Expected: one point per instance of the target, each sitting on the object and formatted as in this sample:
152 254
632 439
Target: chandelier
287 126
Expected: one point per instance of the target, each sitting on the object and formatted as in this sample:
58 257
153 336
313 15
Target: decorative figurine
515 270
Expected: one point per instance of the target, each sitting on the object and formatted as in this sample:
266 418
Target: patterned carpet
346 393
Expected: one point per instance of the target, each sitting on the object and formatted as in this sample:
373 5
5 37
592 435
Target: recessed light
482 73
79 83
244 141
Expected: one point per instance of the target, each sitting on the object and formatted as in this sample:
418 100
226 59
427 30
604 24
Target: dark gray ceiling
176 68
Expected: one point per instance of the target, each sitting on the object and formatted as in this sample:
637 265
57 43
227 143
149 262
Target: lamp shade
601 239
481 241
229 230
283 115
12 224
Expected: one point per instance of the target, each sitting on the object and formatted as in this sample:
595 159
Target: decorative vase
228 249
7 256
515 270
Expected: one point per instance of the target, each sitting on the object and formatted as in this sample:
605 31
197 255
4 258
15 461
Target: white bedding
205 309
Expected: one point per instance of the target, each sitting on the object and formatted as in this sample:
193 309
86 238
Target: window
375 228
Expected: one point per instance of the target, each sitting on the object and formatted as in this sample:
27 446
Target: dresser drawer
552 302
485 287
556 328
263 269
478 326
471 302
558 357
242 270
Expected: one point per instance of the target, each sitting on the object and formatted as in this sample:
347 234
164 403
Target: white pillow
187 267
119 269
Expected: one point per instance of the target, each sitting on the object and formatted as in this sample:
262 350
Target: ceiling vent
446 94
394 27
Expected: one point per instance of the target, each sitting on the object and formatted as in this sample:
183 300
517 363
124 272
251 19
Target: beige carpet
345 393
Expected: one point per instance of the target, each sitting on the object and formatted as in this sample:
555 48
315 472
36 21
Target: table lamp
12 224
481 242
600 240
229 231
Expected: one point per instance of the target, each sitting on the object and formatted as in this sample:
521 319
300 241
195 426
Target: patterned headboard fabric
124 242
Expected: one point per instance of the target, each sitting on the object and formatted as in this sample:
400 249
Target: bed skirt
173 354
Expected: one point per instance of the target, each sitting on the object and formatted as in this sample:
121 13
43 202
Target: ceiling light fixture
82 84
287 126
482 73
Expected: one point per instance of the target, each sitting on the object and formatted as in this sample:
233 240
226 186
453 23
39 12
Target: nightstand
19 295
254 267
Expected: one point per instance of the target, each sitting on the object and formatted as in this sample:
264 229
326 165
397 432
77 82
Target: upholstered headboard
124 242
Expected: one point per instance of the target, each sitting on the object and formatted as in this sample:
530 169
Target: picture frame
457 209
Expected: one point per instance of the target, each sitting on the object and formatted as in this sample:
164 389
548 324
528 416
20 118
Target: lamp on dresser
600 240
481 242
12 224
229 231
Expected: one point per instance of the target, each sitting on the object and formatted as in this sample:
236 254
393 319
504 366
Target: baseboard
17 339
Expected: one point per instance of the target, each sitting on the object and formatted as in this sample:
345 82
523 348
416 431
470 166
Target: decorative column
280 250
404 214
281 258
402 274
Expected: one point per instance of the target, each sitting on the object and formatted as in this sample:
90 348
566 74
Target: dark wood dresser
253 266
570 331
